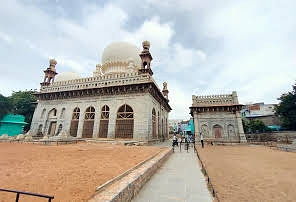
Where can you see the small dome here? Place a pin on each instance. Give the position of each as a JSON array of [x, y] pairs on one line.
[[65, 76], [118, 56]]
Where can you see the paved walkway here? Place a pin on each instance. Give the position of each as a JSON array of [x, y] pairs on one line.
[[179, 179]]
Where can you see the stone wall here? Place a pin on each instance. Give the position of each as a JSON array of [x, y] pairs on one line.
[[285, 137], [207, 121], [267, 120], [141, 103], [125, 188]]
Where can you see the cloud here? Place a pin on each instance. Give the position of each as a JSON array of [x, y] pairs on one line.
[[6, 38], [198, 47], [182, 59]]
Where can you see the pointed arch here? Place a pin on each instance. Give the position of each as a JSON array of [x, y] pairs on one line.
[[104, 121], [230, 131], [74, 122], [158, 121], [52, 113], [205, 130], [88, 125], [60, 128], [124, 127], [52, 118], [166, 128], [39, 132], [153, 124], [217, 131]]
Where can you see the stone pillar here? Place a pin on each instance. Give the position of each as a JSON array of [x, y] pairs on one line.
[[80, 125], [112, 123], [96, 124], [196, 126], [241, 133]]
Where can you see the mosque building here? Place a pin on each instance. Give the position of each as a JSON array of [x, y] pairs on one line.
[[218, 118], [121, 99]]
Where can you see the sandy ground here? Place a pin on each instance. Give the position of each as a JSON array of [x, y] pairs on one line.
[[251, 173], [69, 172]]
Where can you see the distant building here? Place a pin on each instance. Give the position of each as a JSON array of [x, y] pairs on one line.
[[217, 117], [174, 125], [263, 112], [185, 127]]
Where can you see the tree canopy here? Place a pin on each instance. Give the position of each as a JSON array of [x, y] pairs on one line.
[[5, 106], [287, 109], [253, 126], [21, 102]]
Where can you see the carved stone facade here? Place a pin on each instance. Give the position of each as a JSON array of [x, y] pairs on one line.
[[217, 117], [119, 104]]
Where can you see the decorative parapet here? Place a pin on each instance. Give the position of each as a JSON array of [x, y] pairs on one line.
[[214, 100], [118, 66], [97, 82]]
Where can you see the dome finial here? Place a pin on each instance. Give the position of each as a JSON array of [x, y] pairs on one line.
[[146, 45], [52, 62]]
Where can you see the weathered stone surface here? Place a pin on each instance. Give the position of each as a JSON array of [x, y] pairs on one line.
[[125, 188], [217, 117], [142, 105], [20, 137], [4, 137]]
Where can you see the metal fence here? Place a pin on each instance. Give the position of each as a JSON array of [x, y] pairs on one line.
[[18, 193]]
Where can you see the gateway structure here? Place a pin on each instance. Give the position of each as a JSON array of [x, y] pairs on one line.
[[218, 117], [120, 100]]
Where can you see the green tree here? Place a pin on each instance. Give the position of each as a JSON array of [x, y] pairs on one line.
[[5, 106], [257, 125], [22, 102], [254, 125], [245, 125], [287, 109]]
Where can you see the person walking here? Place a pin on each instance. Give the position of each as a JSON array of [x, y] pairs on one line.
[[175, 140], [201, 140]]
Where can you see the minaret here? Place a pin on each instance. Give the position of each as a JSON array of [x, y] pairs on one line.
[[165, 91], [49, 73], [146, 58]]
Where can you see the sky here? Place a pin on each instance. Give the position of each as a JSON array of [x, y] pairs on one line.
[[199, 47]]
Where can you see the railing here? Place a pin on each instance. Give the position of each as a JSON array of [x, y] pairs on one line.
[[18, 193]]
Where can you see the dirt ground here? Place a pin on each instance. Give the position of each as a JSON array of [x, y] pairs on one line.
[[69, 172], [251, 173]]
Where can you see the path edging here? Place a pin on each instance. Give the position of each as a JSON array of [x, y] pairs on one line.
[[124, 189]]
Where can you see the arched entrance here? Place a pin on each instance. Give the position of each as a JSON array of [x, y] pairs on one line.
[[60, 128], [52, 118], [39, 133], [217, 131], [88, 125], [74, 122], [205, 130], [124, 122], [230, 130], [153, 124], [104, 122], [158, 125]]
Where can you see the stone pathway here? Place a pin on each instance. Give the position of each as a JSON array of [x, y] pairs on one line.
[[179, 179]]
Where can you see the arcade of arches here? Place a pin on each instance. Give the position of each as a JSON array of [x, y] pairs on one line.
[[124, 127], [119, 100]]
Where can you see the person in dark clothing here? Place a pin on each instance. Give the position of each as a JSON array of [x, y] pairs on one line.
[[201, 140]]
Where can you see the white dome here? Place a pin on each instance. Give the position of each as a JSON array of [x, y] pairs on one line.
[[66, 76], [120, 57]]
